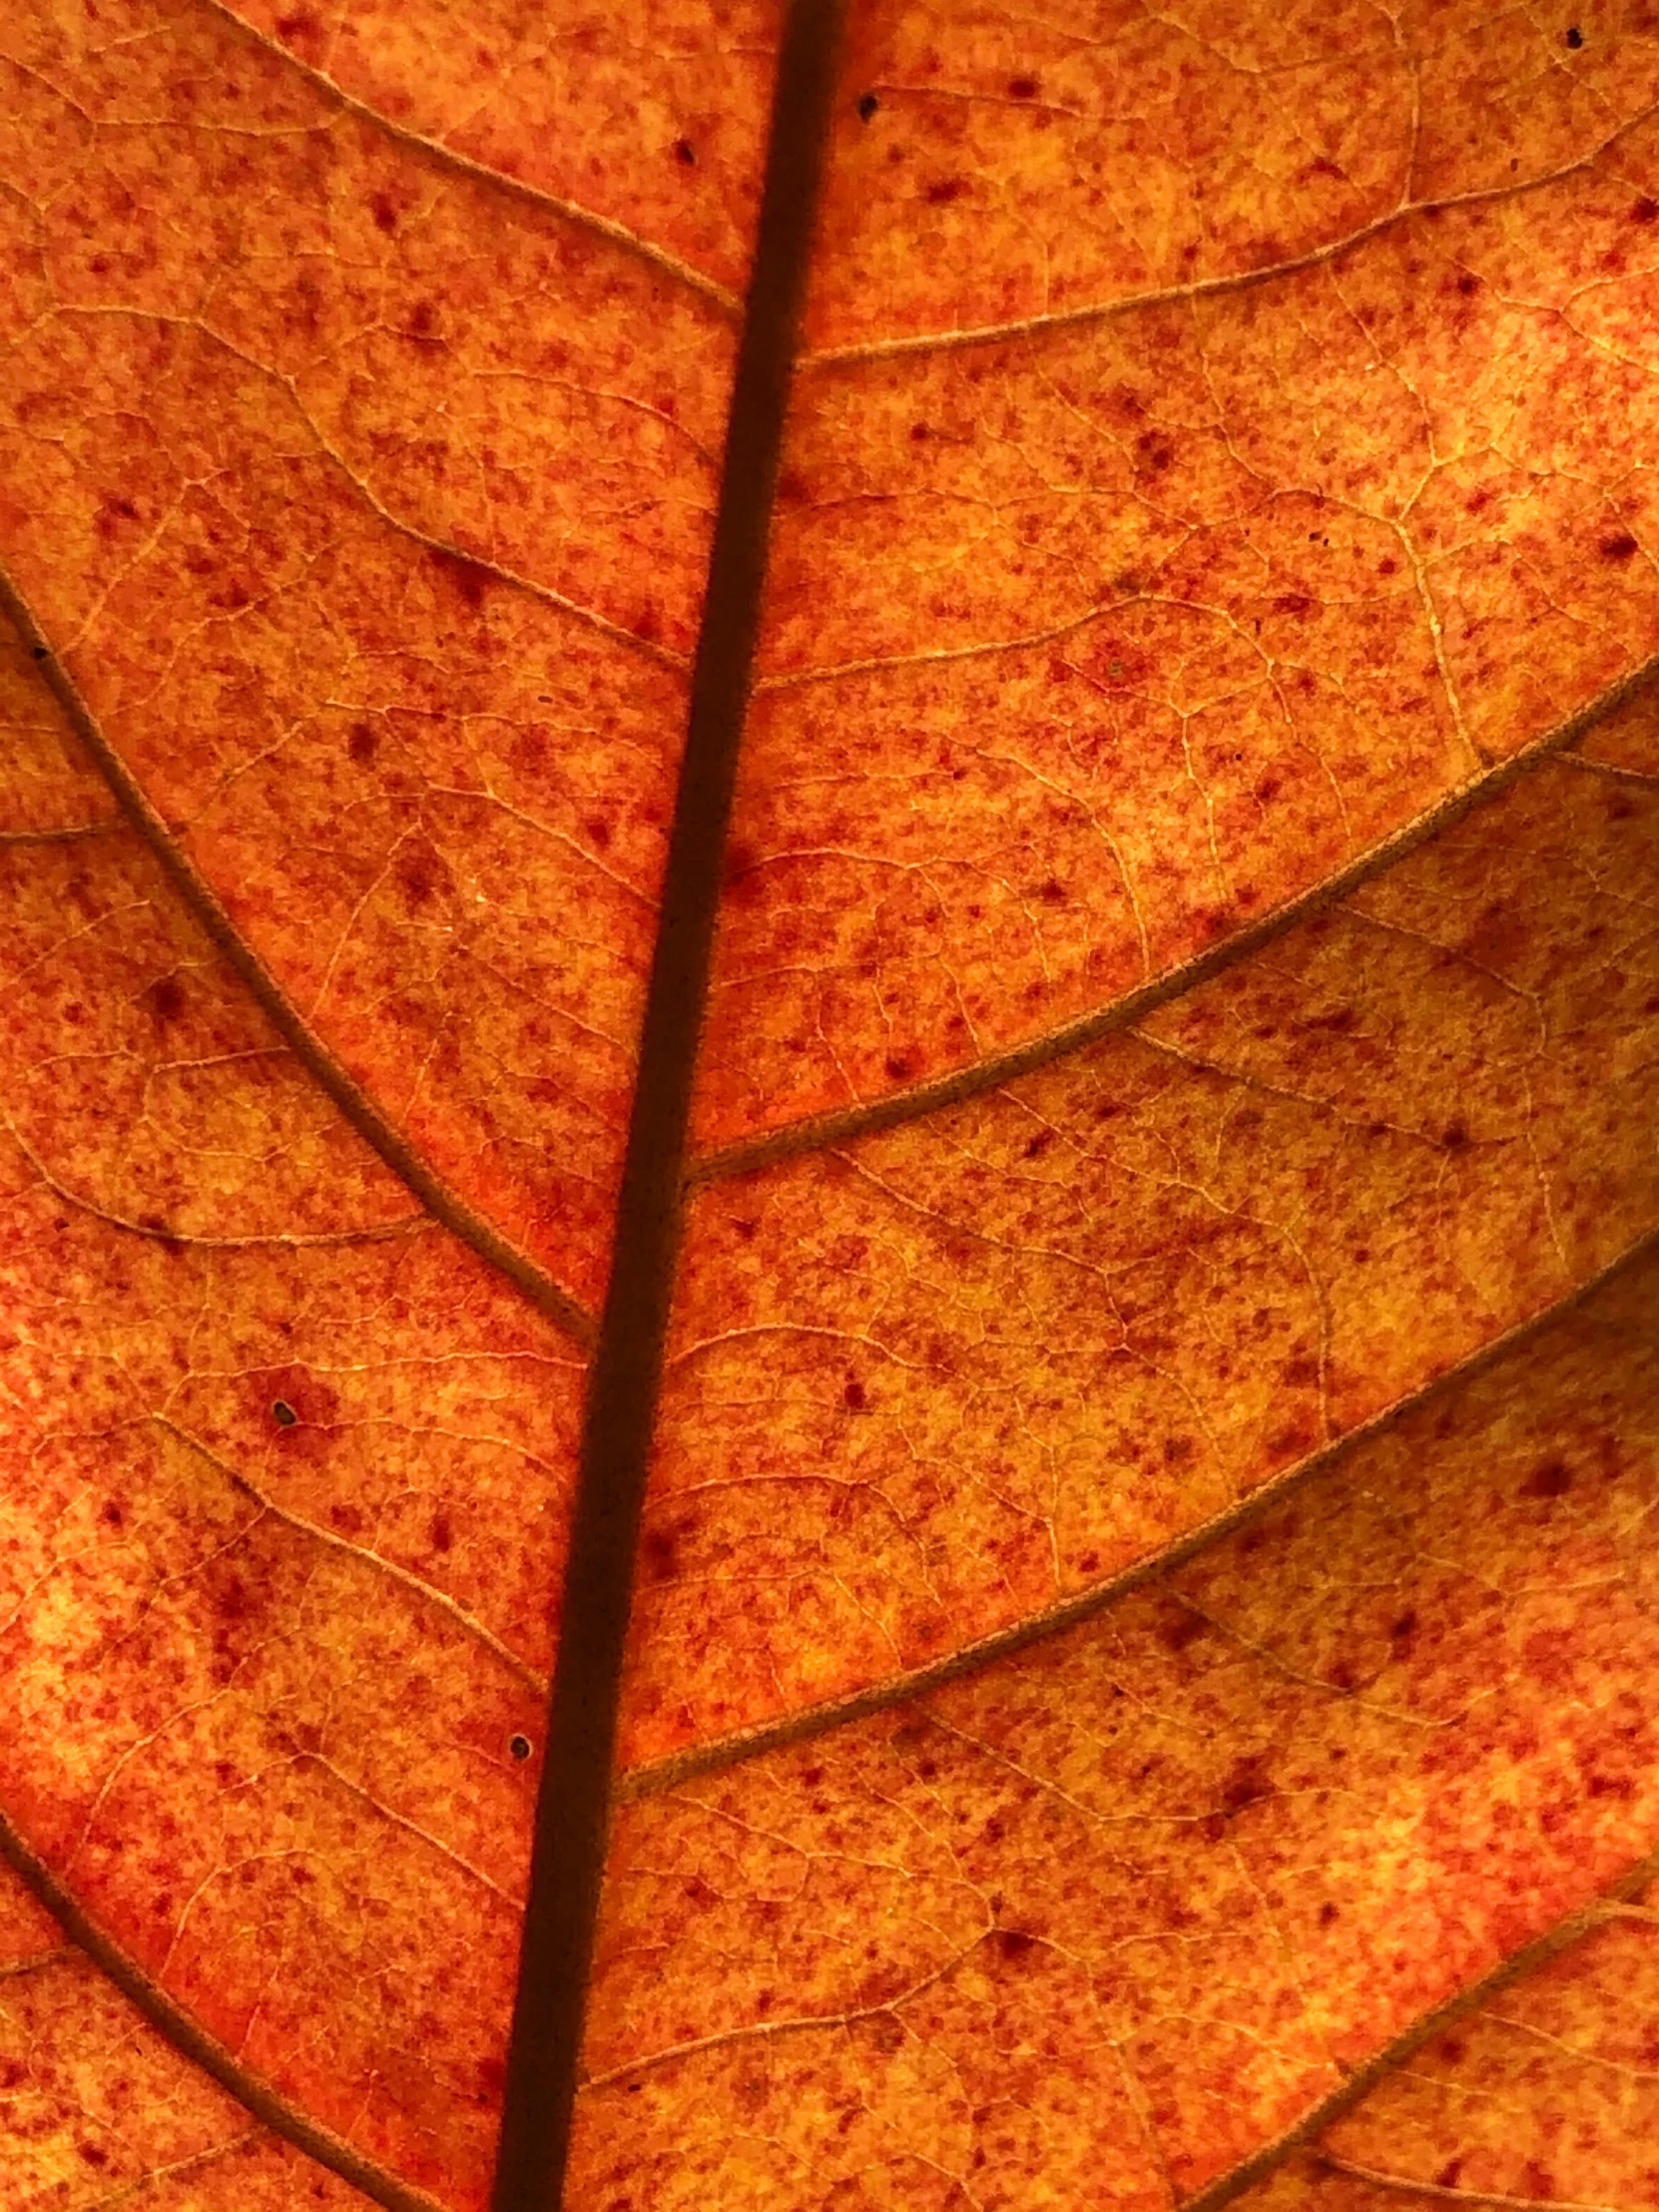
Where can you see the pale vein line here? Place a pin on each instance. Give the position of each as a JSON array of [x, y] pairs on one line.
[[70, 835], [434, 150], [390, 1815], [428, 540], [1613, 769], [38, 1959], [1207, 288], [179, 2167], [427, 1592], [406, 1225], [845, 1123], [347, 1093], [763, 2030], [258, 2096], [1381, 2180], [798, 1727], [830, 672]]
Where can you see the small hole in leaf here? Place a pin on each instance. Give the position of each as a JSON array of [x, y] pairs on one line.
[[1575, 38], [282, 1413], [867, 107], [519, 1746]]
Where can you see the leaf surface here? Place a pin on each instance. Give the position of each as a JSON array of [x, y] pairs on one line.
[[1139, 1679]]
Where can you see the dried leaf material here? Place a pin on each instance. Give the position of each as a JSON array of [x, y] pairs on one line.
[[1545, 2093], [1142, 1661], [95, 2097], [421, 469], [1101, 1920]]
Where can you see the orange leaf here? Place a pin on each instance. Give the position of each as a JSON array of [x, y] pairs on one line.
[[828, 1319]]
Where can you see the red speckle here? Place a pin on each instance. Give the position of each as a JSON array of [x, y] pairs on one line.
[[941, 193], [418, 874], [853, 1397], [384, 210], [362, 744], [685, 153], [166, 1000], [470, 578], [1180, 1629], [1247, 1783], [1551, 1478], [443, 1534], [1644, 210], [1620, 547], [1024, 88], [660, 1553]]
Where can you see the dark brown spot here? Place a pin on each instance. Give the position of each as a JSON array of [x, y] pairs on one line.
[[1180, 1630], [1620, 547], [1024, 88], [1552, 1478], [1644, 210], [853, 1397], [867, 106], [1248, 1783], [469, 577], [947, 189], [282, 1413], [661, 1554], [685, 153], [519, 1746], [166, 1000], [362, 744], [443, 1534], [1575, 37]]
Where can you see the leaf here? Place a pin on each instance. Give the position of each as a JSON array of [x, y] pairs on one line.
[[1138, 1350]]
